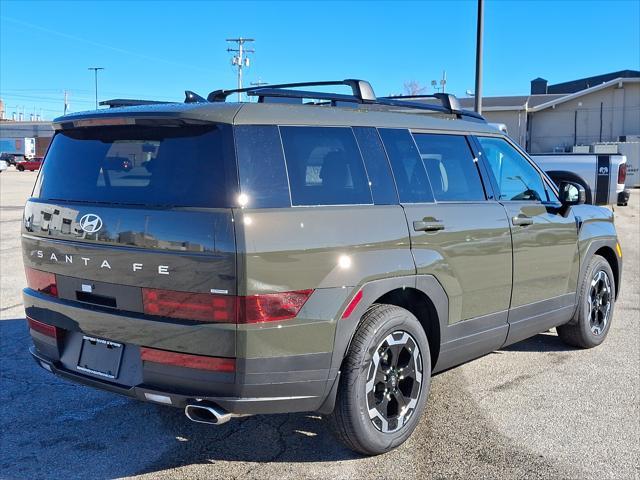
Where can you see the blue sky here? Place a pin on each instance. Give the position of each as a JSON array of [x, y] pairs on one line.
[[156, 50]]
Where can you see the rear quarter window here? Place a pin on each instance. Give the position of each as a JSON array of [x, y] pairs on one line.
[[151, 166], [324, 166]]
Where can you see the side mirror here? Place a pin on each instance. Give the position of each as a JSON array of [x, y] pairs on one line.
[[572, 193]]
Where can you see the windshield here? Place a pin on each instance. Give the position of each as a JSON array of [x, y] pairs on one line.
[[152, 166]]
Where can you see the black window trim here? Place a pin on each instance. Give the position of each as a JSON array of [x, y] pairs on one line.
[[364, 162], [473, 152], [350, 128]]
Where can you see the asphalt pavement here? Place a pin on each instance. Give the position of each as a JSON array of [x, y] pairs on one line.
[[537, 409]]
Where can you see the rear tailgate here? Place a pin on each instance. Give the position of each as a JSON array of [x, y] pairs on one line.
[[119, 212]]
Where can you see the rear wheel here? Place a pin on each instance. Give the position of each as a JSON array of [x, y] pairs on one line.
[[385, 382], [592, 320], [20, 168]]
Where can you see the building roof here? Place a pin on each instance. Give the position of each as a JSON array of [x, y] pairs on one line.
[[515, 102], [535, 103], [583, 83]]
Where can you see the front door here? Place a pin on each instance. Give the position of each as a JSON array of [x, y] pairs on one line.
[[545, 240]]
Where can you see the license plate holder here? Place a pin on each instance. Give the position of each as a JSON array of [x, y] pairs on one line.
[[100, 357]]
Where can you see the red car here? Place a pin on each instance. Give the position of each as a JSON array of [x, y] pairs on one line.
[[31, 164]]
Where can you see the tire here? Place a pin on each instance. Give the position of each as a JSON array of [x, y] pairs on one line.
[[351, 421], [592, 320], [20, 168]]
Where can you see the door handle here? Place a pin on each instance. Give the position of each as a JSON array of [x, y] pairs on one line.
[[522, 221], [422, 226]]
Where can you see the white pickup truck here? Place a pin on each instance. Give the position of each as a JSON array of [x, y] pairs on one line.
[[602, 175]]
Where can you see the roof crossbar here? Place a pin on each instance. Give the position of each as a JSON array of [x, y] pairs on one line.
[[361, 89], [263, 93], [448, 104]]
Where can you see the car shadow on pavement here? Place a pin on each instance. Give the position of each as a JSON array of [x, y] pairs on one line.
[[543, 342]]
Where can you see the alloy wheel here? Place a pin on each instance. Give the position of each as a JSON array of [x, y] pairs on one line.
[[394, 381], [599, 302]]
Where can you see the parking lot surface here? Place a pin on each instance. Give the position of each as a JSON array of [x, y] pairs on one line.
[[537, 409]]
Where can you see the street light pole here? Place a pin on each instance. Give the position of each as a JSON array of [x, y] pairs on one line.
[[479, 35], [95, 74]]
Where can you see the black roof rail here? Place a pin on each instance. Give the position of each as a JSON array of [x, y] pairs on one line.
[[128, 102], [362, 91]]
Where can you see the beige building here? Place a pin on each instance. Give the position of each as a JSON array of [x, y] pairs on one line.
[[555, 118]]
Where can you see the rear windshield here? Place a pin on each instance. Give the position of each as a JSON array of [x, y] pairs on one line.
[[182, 166]]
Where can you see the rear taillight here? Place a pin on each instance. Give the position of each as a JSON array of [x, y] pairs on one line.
[[44, 282], [43, 328], [622, 173], [203, 307], [207, 307], [200, 362], [271, 307]]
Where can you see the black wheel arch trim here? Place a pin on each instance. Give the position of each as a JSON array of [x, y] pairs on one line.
[[372, 291]]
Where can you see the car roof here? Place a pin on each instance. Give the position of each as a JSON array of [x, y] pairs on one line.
[[288, 114]]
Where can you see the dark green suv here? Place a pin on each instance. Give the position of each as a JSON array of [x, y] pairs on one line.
[[306, 252]]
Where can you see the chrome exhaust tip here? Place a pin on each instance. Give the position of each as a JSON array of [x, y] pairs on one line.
[[207, 413]]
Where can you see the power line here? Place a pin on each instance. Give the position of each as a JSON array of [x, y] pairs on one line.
[[240, 60]]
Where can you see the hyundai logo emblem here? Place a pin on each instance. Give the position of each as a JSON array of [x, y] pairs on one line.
[[91, 223]]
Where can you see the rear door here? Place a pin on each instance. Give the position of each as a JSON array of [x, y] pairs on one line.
[[545, 240], [459, 234]]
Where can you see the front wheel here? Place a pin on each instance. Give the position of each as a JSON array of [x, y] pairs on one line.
[[384, 382], [20, 168], [591, 323]]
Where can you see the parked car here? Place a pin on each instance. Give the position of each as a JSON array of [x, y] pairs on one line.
[[272, 258], [3, 165], [31, 165]]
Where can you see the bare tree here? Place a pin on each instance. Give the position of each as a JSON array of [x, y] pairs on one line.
[[413, 87]]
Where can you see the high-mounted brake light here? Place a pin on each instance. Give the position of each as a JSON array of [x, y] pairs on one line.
[[200, 362], [43, 328], [206, 307], [44, 282], [203, 307], [622, 173]]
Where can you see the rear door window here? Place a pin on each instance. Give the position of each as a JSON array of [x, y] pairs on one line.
[[324, 166], [148, 166], [452, 171], [408, 169]]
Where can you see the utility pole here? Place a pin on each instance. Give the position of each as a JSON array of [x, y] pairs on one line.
[[479, 35], [95, 74], [240, 60], [66, 102]]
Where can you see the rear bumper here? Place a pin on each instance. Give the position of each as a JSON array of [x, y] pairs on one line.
[[287, 383]]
